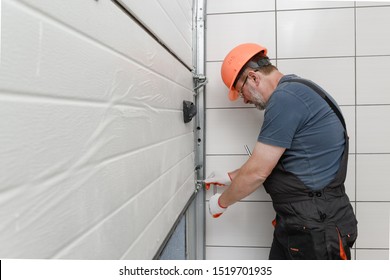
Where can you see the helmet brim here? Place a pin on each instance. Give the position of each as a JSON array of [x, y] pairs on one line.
[[233, 94]]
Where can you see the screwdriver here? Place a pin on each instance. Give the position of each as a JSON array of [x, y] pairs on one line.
[[247, 150]]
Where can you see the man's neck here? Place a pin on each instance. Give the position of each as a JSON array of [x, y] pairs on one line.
[[273, 80]]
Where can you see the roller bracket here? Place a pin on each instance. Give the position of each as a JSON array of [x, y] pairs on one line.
[[200, 81], [189, 111]]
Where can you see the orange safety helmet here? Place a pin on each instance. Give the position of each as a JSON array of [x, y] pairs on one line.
[[235, 61]]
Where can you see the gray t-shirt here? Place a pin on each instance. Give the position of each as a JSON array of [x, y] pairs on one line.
[[301, 121]]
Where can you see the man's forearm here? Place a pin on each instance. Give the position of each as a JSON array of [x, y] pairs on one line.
[[251, 175], [243, 184], [233, 174]]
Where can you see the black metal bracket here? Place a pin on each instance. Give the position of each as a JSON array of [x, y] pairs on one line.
[[189, 111]]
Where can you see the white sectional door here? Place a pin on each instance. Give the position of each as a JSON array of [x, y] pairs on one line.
[[96, 161]]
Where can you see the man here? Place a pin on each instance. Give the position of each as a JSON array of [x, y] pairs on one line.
[[300, 157]]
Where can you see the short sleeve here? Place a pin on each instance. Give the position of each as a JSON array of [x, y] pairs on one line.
[[285, 114]]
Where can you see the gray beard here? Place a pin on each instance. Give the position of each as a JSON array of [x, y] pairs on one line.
[[260, 107], [257, 100]]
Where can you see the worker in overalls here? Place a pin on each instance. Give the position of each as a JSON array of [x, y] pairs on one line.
[[300, 157]]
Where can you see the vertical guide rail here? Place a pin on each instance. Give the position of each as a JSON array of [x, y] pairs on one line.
[[196, 212], [200, 129]]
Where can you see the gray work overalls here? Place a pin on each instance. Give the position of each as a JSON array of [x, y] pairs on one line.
[[312, 224]]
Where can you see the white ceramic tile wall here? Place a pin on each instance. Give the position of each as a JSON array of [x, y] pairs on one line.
[[216, 93], [229, 130], [224, 32], [244, 225], [235, 6], [88, 166], [327, 76], [298, 39], [371, 36], [298, 4], [374, 187], [372, 3], [372, 254], [373, 131], [240, 253], [345, 47], [350, 120], [350, 181], [373, 225], [370, 74]]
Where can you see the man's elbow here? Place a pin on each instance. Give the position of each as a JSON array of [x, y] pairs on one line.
[[262, 176]]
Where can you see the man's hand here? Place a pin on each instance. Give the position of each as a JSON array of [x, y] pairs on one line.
[[218, 179], [215, 208]]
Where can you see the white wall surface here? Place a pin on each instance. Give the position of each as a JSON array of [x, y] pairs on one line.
[[95, 159], [343, 46]]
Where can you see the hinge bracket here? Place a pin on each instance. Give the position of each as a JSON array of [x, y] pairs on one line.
[[199, 81]]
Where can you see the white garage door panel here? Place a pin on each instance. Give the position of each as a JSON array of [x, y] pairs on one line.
[[128, 130], [104, 22], [54, 193], [161, 224], [50, 68], [181, 19], [50, 138], [171, 27], [93, 146], [158, 205], [40, 140], [186, 7]]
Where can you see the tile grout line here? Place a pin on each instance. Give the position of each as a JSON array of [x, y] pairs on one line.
[[355, 83]]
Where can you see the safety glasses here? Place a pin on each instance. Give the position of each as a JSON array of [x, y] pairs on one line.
[[240, 93]]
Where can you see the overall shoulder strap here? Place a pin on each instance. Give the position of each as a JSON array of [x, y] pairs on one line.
[[320, 92]]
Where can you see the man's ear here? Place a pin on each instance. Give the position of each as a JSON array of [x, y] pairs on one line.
[[252, 75]]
